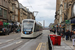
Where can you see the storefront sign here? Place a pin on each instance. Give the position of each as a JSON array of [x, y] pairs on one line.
[[1, 23], [67, 21]]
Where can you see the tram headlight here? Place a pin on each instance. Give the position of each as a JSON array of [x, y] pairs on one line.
[[22, 31], [31, 32]]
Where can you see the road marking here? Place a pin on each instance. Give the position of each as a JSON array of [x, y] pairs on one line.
[[39, 46], [18, 38], [0, 43], [19, 42], [27, 43], [7, 45], [10, 44], [9, 40], [43, 46]]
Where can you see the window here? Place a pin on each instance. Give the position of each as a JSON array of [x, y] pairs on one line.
[[13, 8], [1, 11], [60, 10], [5, 14], [13, 17], [64, 5], [37, 28]]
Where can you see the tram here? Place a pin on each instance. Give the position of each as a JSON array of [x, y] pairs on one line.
[[30, 28]]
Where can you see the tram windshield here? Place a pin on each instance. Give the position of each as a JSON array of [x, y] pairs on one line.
[[27, 25]]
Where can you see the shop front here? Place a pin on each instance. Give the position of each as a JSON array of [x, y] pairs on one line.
[[73, 23], [73, 16], [63, 26], [68, 25]]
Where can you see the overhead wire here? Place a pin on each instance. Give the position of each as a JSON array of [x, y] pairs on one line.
[[30, 4]]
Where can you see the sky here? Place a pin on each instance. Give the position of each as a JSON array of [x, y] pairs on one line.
[[45, 8]]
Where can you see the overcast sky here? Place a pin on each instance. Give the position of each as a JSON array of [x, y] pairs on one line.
[[46, 9]]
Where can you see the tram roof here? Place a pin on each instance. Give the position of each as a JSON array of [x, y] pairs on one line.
[[34, 20]]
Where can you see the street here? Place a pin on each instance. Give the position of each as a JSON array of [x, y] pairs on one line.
[[14, 42]]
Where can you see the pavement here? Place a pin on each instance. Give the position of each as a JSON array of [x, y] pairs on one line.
[[69, 43], [14, 42], [65, 45]]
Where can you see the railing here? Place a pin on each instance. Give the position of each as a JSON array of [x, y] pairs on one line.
[[50, 43]]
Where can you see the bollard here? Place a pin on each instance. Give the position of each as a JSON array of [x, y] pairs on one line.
[[50, 43]]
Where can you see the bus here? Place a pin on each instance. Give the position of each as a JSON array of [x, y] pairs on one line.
[[30, 28]]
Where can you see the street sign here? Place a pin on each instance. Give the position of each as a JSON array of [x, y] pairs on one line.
[[67, 21]]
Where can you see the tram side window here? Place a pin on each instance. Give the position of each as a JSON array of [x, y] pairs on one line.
[[36, 28]]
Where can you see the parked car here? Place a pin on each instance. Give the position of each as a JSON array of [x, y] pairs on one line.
[[3, 28]]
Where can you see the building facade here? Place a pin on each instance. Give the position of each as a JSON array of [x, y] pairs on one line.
[[67, 14], [4, 10], [16, 10], [12, 11], [23, 14]]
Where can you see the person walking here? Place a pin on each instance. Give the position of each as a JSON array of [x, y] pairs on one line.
[[54, 31], [59, 32], [14, 30], [63, 34], [71, 33], [73, 37], [67, 34]]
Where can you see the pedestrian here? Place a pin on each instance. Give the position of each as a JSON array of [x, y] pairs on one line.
[[14, 30], [71, 33], [59, 32], [54, 31], [73, 37], [67, 34], [63, 34]]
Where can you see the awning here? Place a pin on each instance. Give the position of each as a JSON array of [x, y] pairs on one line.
[[4, 23], [1, 23], [73, 21]]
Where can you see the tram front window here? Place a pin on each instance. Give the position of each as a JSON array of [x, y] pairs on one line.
[[27, 27]]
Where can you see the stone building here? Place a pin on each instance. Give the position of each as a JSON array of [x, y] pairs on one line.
[[13, 10], [51, 25], [59, 13], [68, 14], [31, 15], [16, 10], [4, 10], [22, 13]]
